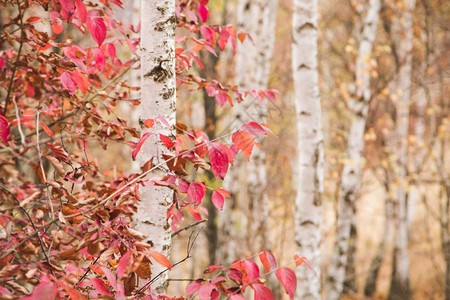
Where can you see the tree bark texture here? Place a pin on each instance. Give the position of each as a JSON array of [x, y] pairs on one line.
[[158, 89], [309, 167], [351, 174], [247, 218]]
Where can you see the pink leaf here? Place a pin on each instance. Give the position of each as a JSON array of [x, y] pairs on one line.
[[195, 193], [237, 297], [99, 58], [262, 292], [111, 49], [124, 261], [193, 287], [81, 11], [218, 156], [138, 146], [299, 260], [4, 129], [110, 276], [212, 268], [208, 292], [217, 200], [268, 260], [68, 83], [97, 28], [44, 291], [100, 286], [221, 98], [288, 279], [254, 128], [202, 12]]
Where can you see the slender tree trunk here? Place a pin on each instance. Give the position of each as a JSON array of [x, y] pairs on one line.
[[400, 288], [351, 175], [247, 180], [371, 281], [308, 202], [158, 99]]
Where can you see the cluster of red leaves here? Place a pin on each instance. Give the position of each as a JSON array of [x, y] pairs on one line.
[[64, 224]]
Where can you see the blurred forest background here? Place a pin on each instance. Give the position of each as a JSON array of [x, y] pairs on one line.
[[427, 161]]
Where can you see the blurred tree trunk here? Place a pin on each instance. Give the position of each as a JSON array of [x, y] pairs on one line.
[[309, 167], [158, 99], [400, 288], [247, 217], [371, 281], [351, 175]]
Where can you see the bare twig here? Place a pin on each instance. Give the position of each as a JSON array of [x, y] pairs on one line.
[[191, 242], [22, 136], [11, 82], [41, 165], [187, 227]]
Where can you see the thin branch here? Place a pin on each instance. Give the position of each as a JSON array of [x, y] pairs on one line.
[[11, 82], [191, 242], [187, 227], [32, 224], [19, 126]]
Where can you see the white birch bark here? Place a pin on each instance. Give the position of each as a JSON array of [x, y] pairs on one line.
[[247, 179], [158, 99], [400, 270], [309, 167], [351, 175]]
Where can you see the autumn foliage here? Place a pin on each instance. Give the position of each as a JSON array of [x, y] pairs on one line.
[[65, 222]]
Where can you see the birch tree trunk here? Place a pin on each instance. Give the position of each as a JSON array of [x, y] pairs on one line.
[[400, 269], [158, 88], [247, 179], [308, 202], [351, 175]]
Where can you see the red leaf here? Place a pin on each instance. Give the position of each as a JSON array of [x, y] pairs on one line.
[[4, 129], [44, 291], [218, 156], [195, 193], [199, 62], [81, 11], [138, 146], [202, 12], [299, 260], [244, 141], [161, 259], [268, 260], [262, 292], [212, 269], [59, 152], [288, 279], [223, 192], [167, 142], [57, 24], [217, 200], [68, 83], [254, 128], [47, 130], [97, 28], [208, 292], [193, 287], [149, 123], [124, 261], [32, 19], [100, 286]]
